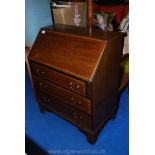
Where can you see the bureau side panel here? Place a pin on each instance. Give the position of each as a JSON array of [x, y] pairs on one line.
[[105, 84]]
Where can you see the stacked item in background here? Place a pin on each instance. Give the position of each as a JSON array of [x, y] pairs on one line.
[[103, 20], [124, 27], [71, 12]]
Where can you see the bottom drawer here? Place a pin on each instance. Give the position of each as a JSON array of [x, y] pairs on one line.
[[64, 110]]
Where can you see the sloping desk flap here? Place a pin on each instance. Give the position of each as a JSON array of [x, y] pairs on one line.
[[72, 54]]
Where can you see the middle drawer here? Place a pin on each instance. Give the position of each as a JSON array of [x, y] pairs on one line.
[[65, 95]]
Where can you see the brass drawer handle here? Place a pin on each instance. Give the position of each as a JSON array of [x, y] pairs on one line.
[[72, 86], [40, 84], [77, 117], [77, 87], [42, 72], [38, 71], [45, 86], [70, 83], [79, 102], [72, 101]]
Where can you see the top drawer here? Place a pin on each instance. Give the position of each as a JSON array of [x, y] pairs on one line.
[[60, 79]]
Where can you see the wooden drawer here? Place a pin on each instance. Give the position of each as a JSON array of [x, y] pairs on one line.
[[64, 110], [60, 79], [65, 95]]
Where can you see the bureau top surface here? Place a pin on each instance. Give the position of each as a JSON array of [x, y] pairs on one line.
[[70, 50], [83, 31]]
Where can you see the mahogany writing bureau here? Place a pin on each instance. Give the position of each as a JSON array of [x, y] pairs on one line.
[[76, 75]]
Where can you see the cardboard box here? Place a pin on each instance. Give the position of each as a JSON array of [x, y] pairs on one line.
[[73, 14]]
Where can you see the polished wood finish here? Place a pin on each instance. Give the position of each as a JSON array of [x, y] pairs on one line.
[[62, 54], [89, 14], [63, 80], [68, 61], [124, 77], [105, 85], [67, 96], [55, 105]]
